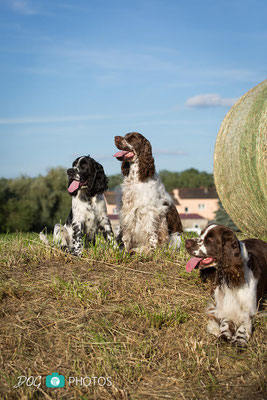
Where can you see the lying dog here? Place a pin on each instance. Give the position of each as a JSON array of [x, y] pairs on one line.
[[240, 279], [88, 215], [148, 217]]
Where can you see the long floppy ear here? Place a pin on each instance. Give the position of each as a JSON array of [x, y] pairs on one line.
[[100, 183], [146, 161], [232, 263], [125, 168]]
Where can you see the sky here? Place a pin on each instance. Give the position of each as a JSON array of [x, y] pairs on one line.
[[74, 74]]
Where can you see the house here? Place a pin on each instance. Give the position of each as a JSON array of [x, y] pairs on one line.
[[193, 222], [202, 201], [111, 202], [196, 206]]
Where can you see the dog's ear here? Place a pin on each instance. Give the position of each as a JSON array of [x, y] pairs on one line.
[[100, 183], [146, 161], [125, 168], [231, 257]]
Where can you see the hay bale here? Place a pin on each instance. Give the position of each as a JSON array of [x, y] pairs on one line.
[[240, 167]]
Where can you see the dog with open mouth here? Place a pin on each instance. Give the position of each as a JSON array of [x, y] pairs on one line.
[[88, 214], [148, 216], [240, 279]]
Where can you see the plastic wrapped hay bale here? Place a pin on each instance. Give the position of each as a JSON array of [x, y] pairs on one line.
[[240, 162]]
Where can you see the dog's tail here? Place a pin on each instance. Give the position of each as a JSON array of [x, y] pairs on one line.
[[43, 237]]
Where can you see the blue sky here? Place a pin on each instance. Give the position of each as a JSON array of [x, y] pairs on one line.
[[76, 73]]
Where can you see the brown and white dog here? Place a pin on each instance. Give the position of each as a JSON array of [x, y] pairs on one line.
[[148, 217], [240, 279]]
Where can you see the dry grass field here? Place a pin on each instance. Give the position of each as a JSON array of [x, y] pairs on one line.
[[134, 325]]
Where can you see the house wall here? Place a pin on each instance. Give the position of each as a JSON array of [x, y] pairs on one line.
[[112, 209], [194, 223], [204, 207]]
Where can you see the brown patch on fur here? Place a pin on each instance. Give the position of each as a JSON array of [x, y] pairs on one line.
[[232, 263], [173, 220], [125, 168], [146, 161], [163, 234], [142, 149], [232, 327], [257, 262], [208, 274]]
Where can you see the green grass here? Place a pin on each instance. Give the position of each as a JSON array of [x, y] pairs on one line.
[[138, 320]]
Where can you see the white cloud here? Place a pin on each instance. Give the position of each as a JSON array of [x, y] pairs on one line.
[[209, 100]]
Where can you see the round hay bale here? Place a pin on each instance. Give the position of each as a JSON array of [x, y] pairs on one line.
[[240, 167]]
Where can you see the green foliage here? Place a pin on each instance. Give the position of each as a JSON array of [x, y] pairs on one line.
[[190, 178], [30, 204], [222, 218], [4, 195], [114, 180]]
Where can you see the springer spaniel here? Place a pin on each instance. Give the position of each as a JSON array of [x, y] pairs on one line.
[[240, 279], [88, 214], [148, 216]]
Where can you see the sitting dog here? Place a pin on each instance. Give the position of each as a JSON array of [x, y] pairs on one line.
[[240, 279], [88, 214], [148, 216]]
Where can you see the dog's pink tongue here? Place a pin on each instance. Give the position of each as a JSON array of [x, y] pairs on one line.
[[207, 261], [192, 263], [120, 153], [73, 186]]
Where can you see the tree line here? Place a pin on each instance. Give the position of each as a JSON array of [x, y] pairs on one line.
[[190, 178], [30, 204]]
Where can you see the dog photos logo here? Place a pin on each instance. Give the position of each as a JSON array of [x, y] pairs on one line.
[[55, 380]]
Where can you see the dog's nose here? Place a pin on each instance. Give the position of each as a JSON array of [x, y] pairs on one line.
[[189, 243], [117, 139]]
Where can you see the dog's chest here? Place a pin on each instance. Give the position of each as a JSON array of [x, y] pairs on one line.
[[86, 213], [144, 194], [234, 302]]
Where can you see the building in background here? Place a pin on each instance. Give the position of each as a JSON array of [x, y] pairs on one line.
[[202, 201]]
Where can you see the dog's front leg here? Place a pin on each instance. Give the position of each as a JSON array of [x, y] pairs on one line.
[[243, 332], [105, 227], [77, 244], [225, 329]]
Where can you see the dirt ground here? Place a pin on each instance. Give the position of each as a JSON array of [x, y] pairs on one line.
[[116, 327]]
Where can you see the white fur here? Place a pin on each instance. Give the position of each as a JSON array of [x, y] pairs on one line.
[[200, 241]]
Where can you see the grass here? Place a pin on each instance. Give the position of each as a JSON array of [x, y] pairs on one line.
[[135, 321]]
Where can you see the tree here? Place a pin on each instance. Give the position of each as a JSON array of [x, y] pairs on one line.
[[30, 204], [190, 178], [114, 180], [222, 218], [4, 196], [20, 208]]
